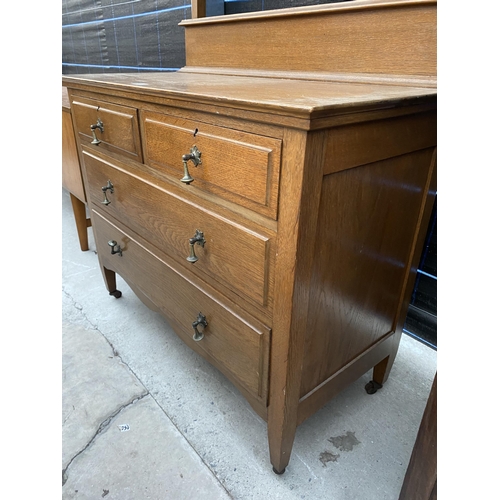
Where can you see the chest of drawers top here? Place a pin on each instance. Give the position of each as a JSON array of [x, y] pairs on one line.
[[287, 100]]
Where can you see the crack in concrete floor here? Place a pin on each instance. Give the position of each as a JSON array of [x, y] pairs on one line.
[[106, 422], [102, 426]]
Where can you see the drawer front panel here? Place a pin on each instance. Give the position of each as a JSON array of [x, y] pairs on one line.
[[231, 254], [240, 167], [237, 346], [120, 126]]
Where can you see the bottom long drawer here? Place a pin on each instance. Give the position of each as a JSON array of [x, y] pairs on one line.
[[238, 346]]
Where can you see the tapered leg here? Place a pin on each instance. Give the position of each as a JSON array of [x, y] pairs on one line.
[[82, 223], [382, 369], [281, 434], [110, 282]]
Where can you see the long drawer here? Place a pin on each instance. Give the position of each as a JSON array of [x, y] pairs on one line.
[[238, 166], [107, 126], [230, 253], [237, 345]]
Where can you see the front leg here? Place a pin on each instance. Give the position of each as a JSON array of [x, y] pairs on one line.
[[110, 282], [282, 423]]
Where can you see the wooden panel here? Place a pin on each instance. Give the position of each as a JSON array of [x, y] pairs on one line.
[[362, 143], [238, 166], [66, 106], [71, 173], [361, 258], [198, 8], [233, 255], [420, 481], [329, 388], [237, 346], [352, 37], [121, 127]]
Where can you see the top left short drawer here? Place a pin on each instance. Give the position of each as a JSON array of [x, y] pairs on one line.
[[107, 126]]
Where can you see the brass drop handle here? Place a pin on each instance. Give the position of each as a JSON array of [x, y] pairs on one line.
[[105, 188], [113, 244], [197, 239], [100, 126], [200, 320], [195, 157]]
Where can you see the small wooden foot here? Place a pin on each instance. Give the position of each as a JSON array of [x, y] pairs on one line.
[[116, 294], [279, 473]]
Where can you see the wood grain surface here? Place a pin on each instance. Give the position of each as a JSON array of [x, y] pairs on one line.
[[243, 355], [233, 255], [300, 99], [392, 38], [317, 128], [121, 126], [235, 165], [360, 259]]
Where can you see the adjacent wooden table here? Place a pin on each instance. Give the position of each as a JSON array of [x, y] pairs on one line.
[[271, 198], [71, 174], [420, 482]]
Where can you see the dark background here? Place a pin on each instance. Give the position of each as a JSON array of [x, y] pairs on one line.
[[113, 36]]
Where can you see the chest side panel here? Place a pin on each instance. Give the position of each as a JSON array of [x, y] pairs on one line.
[[366, 225]]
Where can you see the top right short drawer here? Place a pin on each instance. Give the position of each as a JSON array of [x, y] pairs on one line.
[[241, 167]]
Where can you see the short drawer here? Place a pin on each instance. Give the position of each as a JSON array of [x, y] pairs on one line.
[[238, 166], [116, 127], [230, 253], [238, 346]]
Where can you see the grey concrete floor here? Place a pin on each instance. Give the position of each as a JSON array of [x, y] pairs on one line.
[[144, 417]]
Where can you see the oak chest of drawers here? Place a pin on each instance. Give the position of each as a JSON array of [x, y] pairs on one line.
[[275, 216]]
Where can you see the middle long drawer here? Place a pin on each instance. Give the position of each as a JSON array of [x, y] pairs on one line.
[[233, 255]]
